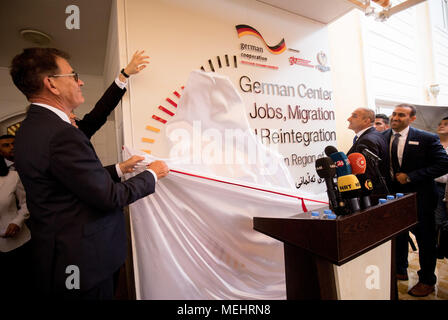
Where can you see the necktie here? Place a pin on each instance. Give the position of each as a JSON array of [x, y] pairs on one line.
[[354, 139], [394, 154]]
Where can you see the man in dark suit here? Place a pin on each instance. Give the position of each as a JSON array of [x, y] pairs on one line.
[[416, 159], [77, 225], [366, 137]]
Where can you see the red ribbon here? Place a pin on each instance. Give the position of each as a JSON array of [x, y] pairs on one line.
[[254, 188]]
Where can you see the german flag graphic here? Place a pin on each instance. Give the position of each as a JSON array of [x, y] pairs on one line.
[[244, 29]]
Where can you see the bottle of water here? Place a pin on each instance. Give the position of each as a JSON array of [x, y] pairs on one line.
[[399, 195], [315, 215], [390, 197], [382, 200], [331, 216]]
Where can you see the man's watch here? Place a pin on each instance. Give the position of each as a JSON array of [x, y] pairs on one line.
[[124, 73], [408, 180]]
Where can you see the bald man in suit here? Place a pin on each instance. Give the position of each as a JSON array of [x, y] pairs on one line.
[[367, 137]]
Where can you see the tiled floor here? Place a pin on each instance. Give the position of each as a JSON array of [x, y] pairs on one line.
[[441, 290]]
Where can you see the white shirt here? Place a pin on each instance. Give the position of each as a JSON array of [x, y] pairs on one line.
[[401, 143], [65, 118], [361, 132], [11, 189], [9, 164], [120, 83]]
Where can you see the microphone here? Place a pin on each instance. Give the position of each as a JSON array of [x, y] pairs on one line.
[[350, 188], [348, 185], [342, 163], [329, 150], [358, 163], [340, 159], [359, 166], [326, 169]]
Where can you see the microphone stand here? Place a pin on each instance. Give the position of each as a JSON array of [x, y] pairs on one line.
[[382, 179], [375, 160]]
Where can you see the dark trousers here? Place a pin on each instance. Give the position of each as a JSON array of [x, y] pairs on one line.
[[105, 290], [441, 214], [102, 291], [425, 235], [15, 273]]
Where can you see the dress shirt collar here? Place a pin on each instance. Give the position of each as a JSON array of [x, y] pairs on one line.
[[362, 131], [403, 133], [8, 163], [59, 112]]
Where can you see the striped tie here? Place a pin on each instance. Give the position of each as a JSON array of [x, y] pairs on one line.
[[394, 154]]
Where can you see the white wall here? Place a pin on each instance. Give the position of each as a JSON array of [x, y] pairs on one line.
[[439, 28], [392, 58], [349, 82], [112, 65]]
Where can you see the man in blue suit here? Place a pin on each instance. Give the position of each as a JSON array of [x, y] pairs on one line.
[[367, 137], [416, 158], [77, 224]]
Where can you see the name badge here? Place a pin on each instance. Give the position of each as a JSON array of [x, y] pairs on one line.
[[415, 143]]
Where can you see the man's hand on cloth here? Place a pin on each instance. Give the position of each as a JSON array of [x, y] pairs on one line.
[[159, 167]]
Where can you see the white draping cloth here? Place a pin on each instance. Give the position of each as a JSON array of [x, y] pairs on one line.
[[194, 237]]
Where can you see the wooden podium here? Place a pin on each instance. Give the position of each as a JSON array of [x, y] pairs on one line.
[[312, 247]]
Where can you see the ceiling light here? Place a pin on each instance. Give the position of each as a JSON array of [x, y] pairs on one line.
[[36, 37]]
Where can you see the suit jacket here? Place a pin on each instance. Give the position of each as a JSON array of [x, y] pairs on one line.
[[75, 205], [424, 159], [97, 117], [374, 141]]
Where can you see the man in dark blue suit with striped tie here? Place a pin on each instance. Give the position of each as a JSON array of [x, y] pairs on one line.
[[416, 159]]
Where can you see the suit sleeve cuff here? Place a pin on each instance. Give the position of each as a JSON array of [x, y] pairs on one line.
[[154, 174], [119, 173], [120, 84]]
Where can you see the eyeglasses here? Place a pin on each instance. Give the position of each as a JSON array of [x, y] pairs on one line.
[[75, 76]]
